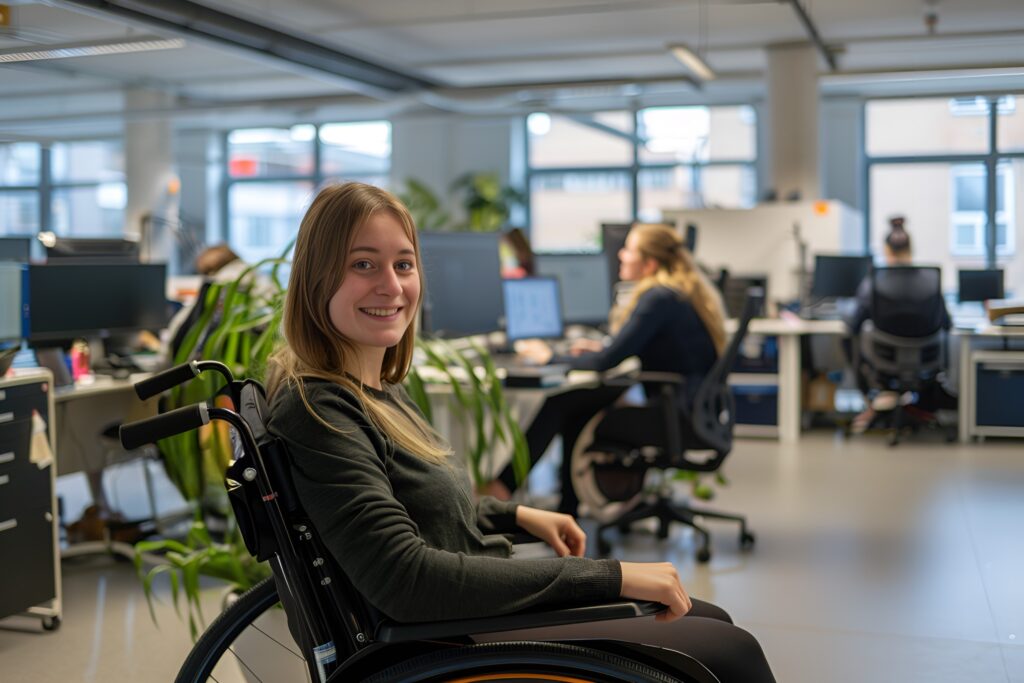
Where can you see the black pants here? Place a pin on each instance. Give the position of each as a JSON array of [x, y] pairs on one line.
[[706, 633], [566, 414]]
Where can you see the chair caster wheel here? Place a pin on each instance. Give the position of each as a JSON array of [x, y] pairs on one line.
[[704, 555], [604, 548], [51, 623], [747, 540]]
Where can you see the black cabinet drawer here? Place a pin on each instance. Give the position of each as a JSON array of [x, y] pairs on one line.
[[999, 387], [756, 404], [27, 570], [17, 402]]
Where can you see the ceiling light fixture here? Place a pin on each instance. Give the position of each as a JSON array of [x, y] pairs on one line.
[[90, 49], [692, 61]]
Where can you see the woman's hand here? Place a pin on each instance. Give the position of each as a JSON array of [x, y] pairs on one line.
[[584, 345], [558, 530], [534, 350], [657, 581]]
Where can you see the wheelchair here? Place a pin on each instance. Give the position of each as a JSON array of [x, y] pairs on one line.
[[337, 634]]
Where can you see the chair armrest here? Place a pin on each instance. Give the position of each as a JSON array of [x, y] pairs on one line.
[[631, 378], [392, 632]]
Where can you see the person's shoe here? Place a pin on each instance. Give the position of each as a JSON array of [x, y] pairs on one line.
[[885, 401]]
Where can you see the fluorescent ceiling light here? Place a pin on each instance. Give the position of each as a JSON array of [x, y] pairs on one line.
[[692, 61], [90, 49]]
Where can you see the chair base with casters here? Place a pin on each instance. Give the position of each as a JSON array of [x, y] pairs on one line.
[[337, 634]]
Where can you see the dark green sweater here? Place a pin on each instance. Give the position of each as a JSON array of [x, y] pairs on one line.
[[405, 531]]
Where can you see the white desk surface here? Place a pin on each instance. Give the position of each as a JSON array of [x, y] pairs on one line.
[[790, 326], [989, 330], [101, 384]]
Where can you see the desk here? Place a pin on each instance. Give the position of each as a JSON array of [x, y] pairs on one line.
[[987, 344], [787, 379], [83, 411]]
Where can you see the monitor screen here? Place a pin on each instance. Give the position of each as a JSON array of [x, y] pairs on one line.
[[462, 273], [734, 293], [532, 308], [981, 285], [15, 249], [95, 300], [12, 303], [91, 249], [613, 238], [585, 285], [838, 276]]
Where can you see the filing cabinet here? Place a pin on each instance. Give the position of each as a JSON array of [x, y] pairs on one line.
[[30, 570]]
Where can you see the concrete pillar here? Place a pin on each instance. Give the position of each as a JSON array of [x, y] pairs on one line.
[[792, 109], [151, 179]]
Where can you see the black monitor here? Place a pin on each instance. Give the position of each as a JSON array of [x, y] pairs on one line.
[[12, 301], [533, 308], [462, 273], [90, 249], [585, 284], [95, 300], [15, 249], [838, 276], [980, 285]]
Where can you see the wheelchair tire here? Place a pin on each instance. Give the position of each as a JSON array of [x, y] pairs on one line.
[[527, 661], [219, 638]]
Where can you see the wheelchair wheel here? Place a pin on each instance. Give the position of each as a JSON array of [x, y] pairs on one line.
[[521, 662], [244, 639]]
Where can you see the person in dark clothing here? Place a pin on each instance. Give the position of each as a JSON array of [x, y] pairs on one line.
[[673, 322], [382, 488], [898, 252]]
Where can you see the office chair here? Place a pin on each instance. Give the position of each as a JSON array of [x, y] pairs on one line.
[[902, 346], [339, 635], [628, 441]]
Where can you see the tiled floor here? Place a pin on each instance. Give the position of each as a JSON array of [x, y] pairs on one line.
[[872, 564]]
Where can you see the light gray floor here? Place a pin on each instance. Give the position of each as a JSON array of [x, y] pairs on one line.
[[872, 564]]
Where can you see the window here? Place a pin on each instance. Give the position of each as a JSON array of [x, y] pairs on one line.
[[617, 166], [89, 194], [930, 160], [19, 188], [272, 174]]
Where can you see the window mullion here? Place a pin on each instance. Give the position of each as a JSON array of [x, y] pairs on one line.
[[991, 185], [45, 189]]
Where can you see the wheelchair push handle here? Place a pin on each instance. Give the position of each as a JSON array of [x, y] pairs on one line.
[[167, 379], [179, 374], [152, 429]]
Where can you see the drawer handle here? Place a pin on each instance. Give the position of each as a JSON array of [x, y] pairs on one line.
[[6, 417], [4, 478], [8, 525], [6, 457]]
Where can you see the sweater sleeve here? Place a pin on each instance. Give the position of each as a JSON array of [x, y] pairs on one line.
[[495, 516], [342, 481], [646, 320]]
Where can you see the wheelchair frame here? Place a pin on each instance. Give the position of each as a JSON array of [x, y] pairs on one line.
[[340, 635]]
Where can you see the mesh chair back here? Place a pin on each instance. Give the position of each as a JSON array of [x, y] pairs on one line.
[[907, 300], [714, 408]]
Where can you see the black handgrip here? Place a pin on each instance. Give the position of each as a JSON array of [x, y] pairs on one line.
[[162, 381], [152, 429]]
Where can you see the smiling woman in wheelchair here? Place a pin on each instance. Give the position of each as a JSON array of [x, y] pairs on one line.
[[381, 487]]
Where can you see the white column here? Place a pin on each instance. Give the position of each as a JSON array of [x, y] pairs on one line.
[[792, 109], [150, 175]]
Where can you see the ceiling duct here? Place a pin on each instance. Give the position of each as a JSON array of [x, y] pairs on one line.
[[193, 20]]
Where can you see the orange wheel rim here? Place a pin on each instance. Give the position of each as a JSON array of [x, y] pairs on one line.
[[506, 676]]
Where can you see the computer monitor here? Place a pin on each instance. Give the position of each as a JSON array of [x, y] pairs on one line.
[[15, 249], [462, 273], [613, 238], [838, 276], [980, 285], [94, 300], [12, 301], [533, 308], [585, 285], [90, 249]]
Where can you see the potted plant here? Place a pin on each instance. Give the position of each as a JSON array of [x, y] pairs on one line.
[[488, 203]]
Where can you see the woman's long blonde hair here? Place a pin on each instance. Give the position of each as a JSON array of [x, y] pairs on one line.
[[314, 347], [677, 271]]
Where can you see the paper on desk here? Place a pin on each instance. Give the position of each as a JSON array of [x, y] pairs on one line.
[[39, 450]]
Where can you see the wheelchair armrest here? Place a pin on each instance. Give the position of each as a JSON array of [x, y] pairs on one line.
[[392, 632]]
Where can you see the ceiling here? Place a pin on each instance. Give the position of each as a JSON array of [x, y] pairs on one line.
[[480, 56]]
